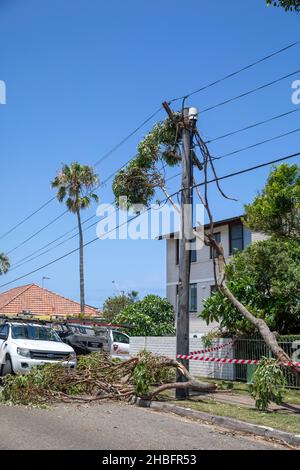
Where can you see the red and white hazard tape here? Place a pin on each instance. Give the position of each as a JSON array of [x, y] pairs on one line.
[[227, 361], [216, 348]]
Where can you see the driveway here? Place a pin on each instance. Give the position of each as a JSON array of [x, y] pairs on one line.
[[109, 426]]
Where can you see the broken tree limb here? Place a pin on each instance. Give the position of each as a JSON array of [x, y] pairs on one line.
[[268, 336], [191, 383]]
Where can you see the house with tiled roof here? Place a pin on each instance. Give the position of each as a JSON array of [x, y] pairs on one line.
[[36, 300]]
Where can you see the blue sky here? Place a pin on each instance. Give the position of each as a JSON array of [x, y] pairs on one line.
[[82, 75]]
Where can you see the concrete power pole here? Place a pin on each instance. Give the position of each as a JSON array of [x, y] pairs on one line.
[[183, 326]]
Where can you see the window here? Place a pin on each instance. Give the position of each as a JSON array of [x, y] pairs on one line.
[[4, 330], [193, 252], [37, 333], [120, 337], [193, 297], [236, 238], [217, 237]]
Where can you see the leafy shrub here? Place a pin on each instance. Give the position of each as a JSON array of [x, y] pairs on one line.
[[152, 316], [268, 384]]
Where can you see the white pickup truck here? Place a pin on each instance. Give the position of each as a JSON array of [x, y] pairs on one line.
[[24, 345]]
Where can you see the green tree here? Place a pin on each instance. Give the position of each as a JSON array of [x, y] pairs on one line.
[[265, 277], [4, 264], [276, 210], [288, 5], [114, 305], [152, 316], [75, 186]]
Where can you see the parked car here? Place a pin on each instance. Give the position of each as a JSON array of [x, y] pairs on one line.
[[24, 345], [120, 342], [87, 338], [82, 338]]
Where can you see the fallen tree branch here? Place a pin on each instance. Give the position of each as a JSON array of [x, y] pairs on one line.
[[191, 382]]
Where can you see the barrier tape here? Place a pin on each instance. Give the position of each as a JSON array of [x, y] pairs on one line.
[[215, 348], [223, 360]]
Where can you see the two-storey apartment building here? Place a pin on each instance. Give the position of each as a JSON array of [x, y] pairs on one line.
[[234, 236]]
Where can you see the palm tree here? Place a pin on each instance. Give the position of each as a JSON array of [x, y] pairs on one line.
[[76, 185], [4, 264]]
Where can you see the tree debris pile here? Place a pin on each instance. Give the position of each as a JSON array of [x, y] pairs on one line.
[[98, 377]]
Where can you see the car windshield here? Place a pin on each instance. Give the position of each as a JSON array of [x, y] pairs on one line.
[[39, 333], [83, 330]]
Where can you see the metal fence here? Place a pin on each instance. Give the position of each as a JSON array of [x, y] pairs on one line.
[[257, 348]]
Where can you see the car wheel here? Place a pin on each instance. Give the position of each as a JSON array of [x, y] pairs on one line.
[[7, 367]]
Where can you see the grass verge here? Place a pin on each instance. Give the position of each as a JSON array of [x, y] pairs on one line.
[[278, 420], [291, 396]]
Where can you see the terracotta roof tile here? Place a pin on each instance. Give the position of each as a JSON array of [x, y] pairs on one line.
[[39, 301]]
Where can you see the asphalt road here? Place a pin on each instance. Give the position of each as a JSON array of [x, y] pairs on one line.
[[109, 426]]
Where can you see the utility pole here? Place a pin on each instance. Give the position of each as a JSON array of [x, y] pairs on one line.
[[186, 237], [186, 203]]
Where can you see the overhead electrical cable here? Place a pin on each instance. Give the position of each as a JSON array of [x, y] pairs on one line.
[[230, 175]]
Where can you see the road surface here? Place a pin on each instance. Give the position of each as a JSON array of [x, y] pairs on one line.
[[110, 426]]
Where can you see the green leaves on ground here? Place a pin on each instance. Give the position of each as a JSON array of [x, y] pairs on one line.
[[149, 372], [97, 377]]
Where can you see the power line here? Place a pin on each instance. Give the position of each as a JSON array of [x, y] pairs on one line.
[[20, 262], [75, 250], [18, 265], [27, 218], [226, 77], [240, 172], [237, 71], [61, 236], [36, 233], [160, 108], [251, 126], [116, 147], [249, 92], [102, 184], [257, 144], [50, 243]]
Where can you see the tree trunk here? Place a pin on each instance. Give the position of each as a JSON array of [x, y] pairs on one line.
[[81, 266]]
